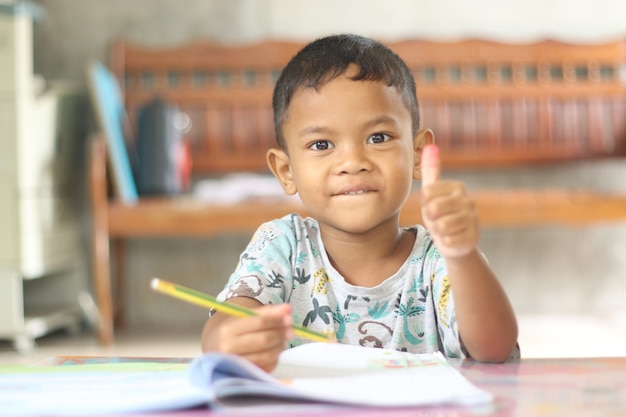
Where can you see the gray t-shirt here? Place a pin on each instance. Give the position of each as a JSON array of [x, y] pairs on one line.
[[412, 310]]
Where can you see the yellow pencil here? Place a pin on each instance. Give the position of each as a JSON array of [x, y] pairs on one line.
[[208, 301]]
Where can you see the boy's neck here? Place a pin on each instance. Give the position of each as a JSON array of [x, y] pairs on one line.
[[367, 260]]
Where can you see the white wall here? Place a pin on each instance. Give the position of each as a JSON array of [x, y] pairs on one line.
[[449, 19], [78, 30]]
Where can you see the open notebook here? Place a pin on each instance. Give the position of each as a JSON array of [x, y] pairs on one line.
[[315, 373]]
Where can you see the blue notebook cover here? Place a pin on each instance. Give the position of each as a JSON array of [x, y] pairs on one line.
[[111, 115]]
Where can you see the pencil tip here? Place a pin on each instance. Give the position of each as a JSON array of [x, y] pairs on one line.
[[154, 283]]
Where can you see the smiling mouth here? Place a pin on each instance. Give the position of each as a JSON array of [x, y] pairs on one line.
[[355, 189], [355, 192]]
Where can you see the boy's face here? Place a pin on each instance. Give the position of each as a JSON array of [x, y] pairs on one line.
[[350, 153]]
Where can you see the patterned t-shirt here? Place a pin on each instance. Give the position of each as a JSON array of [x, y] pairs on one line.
[[412, 310]]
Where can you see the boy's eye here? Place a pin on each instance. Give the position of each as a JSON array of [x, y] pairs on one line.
[[321, 145], [378, 138]]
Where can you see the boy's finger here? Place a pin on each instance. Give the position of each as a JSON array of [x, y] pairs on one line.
[[431, 165], [275, 310]]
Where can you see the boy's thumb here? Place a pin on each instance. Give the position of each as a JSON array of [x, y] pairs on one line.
[[431, 165]]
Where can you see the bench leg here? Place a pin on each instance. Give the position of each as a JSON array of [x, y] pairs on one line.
[[100, 240], [102, 284], [119, 249]]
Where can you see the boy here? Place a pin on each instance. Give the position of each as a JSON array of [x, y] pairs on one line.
[[347, 125]]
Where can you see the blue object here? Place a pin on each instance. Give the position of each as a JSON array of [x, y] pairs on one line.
[[111, 115], [36, 12]]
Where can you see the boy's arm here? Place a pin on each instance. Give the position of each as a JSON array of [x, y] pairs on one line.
[[485, 318], [259, 338]]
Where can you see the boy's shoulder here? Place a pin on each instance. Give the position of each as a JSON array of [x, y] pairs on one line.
[[291, 224], [293, 230], [296, 225], [288, 229]]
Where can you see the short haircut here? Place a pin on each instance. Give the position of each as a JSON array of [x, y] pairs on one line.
[[327, 58]]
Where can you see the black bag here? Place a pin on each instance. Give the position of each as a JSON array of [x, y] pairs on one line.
[[162, 155]]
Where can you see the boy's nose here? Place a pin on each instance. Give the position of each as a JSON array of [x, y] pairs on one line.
[[353, 159]]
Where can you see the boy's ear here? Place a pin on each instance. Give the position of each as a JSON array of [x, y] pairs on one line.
[[280, 165], [424, 137]]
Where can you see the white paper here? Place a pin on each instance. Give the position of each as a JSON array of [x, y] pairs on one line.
[[91, 393], [354, 375], [325, 373]]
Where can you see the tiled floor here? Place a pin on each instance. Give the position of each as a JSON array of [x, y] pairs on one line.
[[540, 336]]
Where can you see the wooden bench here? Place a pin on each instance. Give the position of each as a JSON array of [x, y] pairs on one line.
[[489, 104]]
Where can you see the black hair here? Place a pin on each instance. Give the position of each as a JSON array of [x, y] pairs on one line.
[[324, 59]]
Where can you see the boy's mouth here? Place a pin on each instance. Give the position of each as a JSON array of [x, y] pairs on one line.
[[354, 190]]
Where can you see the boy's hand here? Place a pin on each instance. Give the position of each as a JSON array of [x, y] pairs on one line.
[[447, 210], [259, 339]]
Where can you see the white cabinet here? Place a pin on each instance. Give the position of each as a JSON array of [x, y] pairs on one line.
[[42, 270]]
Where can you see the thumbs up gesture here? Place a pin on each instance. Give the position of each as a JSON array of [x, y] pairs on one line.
[[447, 210]]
